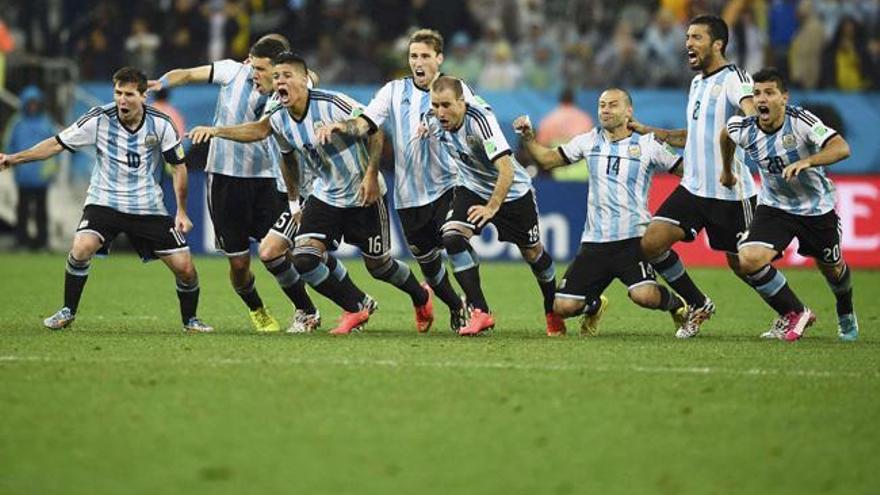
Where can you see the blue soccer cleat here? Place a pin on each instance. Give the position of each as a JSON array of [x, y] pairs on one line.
[[847, 327]]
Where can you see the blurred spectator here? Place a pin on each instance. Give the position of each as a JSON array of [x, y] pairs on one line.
[[7, 44], [664, 48], [783, 23], [748, 42], [460, 60], [620, 62], [161, 103], [29, 128], [98, 58], [846, 62], [500, 71], [328, 64], [577, 70], [141, 46], [559, 126], [805, 59], [186, 31], [541, 69]]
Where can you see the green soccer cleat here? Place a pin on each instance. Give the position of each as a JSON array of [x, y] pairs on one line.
[[263, 321]]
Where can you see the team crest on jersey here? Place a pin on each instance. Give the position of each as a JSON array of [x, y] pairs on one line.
[[716, 90], [151, 140], [820, 130], [634, 151], [489, 146], [789, 142]]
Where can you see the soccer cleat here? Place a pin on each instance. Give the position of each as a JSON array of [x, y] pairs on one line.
[[679, 316], [263, 321], [459, 318], [61, 319], [555, 325], [798, 324], [195, 325], [777, 330], [351, 322], [425, 312], [590, 323], [695, 318], [480, 321], [847, 327], [304, 322], [369, 304]]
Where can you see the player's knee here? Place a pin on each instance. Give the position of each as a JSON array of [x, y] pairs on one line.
[[749, 260], [646, 296], [567, 307], [240, 264], [85, 246], [270, 248], [455, 242], [305, 262], [377, 265], [531, 253]]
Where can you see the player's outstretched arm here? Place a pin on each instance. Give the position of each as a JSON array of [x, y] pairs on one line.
[[180, 179], [675, 137], [242, 133], [369, 191], [479, 214], [46, 148], [545, 157], [835, 150], [180, 77], [728, 179]]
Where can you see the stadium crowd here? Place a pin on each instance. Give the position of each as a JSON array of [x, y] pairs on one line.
[[492, 44]]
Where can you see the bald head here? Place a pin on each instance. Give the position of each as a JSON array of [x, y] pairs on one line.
[[615, 108]]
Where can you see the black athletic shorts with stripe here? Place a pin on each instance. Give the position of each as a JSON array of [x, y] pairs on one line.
[[242, 209], [367, 227], [725, 221], [818, 236], [152, 236]]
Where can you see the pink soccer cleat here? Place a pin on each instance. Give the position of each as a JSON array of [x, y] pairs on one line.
[[479, 322], [798, 324], [555, 325], [425, 312], [351, 322]]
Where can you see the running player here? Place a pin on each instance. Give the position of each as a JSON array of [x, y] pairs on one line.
[[245, 194], [125, 195], [424, 173], [719, 91], [346, 200], [621, 165], [791, 145], [494, 188]]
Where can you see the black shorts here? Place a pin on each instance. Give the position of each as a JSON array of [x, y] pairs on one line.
[[422, 225], [818, 236], [516, 221], [242, 209], [725, 221], [597, 264], [151, 236], [366, 227], [286, 226]]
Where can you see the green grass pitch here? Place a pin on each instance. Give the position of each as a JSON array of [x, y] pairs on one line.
[[124, 402]]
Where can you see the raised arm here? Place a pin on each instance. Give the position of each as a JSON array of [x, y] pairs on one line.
[[835, 150], [546, 158], [242, 133], [181, 77], [675, 137], [46, 148]]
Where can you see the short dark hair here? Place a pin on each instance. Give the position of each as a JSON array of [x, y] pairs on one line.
[[128, 75], [267, 48], [291, 58], [453, 84], [275, 36], [429, 37], [771, 74], [716, 26]]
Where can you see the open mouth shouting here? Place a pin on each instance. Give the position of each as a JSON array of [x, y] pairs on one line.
[[763, 112], [692, 58], [284, 96]]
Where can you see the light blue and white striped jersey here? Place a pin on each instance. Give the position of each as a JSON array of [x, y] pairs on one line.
[[128, 171], [423, 170], [239, 102], [620, 176], [478, 142], [802, 134], [339, 166], [305, 178], [713, 99]]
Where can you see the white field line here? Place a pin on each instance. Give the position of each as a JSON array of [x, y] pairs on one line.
[[465, 365]]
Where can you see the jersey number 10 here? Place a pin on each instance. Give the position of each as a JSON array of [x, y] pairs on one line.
[[133, 159]]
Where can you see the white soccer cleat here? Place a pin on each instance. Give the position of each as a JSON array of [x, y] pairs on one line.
[[695, 318], [777, 330], [195, 325], [305, 322], [61, 319]]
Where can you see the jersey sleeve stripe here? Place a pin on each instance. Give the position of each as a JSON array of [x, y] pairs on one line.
[[563, 155], [88, 115], [336, 101], [369, 121], [63, 145], [211, 75], [499, 155], [482, 122]]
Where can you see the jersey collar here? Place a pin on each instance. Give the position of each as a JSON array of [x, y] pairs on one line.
[[140, 124]]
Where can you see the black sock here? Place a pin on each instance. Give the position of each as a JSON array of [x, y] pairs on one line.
[[308, 263], [291, 283], [670, 268], [188, 296], [773, 287], [437, 277], [338, 270], [592, 306], [466, 269], [399, 275], [843, 292], [668, 302], [545, 273], [75, 277], [249, 295]]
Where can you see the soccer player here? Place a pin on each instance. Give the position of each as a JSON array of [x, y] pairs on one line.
[[125, 195], [424, 173], [717, 92], [346, 200], [494, 188], [791, 147], [621, 164], [244, 196]]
